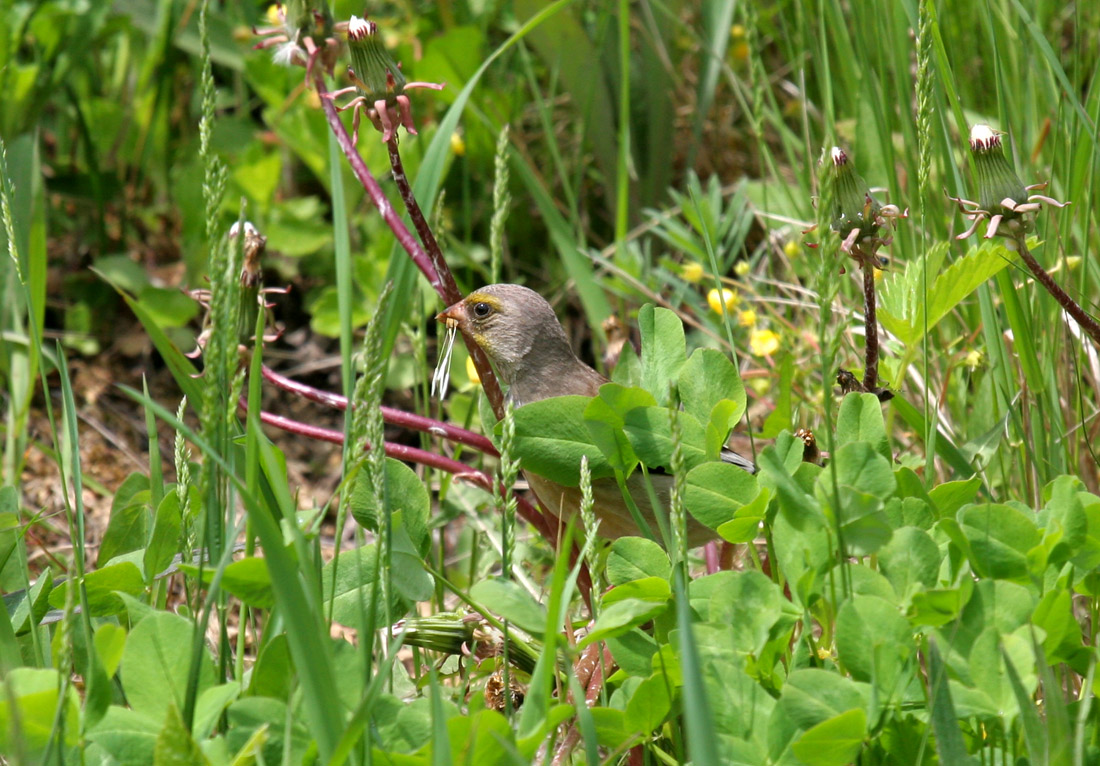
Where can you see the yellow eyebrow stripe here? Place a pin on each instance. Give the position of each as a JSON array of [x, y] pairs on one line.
[[492, 300]]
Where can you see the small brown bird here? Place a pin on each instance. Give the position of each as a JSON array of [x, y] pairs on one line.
[[519, 332]]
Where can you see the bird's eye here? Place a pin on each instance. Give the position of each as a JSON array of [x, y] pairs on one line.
[[482, 310]]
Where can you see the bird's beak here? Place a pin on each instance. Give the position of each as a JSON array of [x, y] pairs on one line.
[[452, 315]]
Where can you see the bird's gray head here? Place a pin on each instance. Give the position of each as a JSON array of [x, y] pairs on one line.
[[513, 324]]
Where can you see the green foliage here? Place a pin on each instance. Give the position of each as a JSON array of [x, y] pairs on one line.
[[927, 595]]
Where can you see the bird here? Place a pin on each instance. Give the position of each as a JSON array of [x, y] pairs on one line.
[[520, 333]]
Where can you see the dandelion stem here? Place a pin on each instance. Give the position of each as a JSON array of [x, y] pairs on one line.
[[1070, 306], [870, 367]]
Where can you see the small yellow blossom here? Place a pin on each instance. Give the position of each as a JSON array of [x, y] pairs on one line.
[[1072, 262], [313, 101], [272, 15], [737, 32], [747, 318], [471, 371], [458, 144], [878, 274], [792, 248], [742, 268], [974, 358], [727, 297], [823, 653], [692, 272], [763, 342]]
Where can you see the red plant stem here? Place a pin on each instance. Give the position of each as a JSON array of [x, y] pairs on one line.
[[399, 451], [450, 293], [421, 457], [870, 322], [1071, 307], [389, 414], [374, 191], [416, 215], [433, 267]]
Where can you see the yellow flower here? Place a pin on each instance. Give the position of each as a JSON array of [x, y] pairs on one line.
[[458, 144], [792, 248], [737, 32], [1072, 261], [272, 15], [973, 358], [692, 272], [727, 297], [878, 274], [763, 342], [742, 268], [747, 318], [471, 371]]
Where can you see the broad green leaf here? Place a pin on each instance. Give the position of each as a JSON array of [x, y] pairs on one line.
[[604, 418], [551, 438], [128, 528], [484, 737], [812, 696], [155, 664], [210, 705], [706, 379], [999, 538], [102, 585], [248, 579], [835, 742], [405, 492], [650, 433], [273, 673], [407, 572], [632, 558], [510, 601], [29, 709], [860, 420], [910, 561], [128, 736], [175, 746], [663, 351], [633, 652], [27, 608], [354, 589], [110, 640], [165, 539], [874, 642], [749, 609], [950, 496], [620, 614], [901, 308], [650, 704], [864, 480], [714, 492]]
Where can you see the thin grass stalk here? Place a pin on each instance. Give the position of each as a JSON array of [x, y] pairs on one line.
[[501, 202]]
